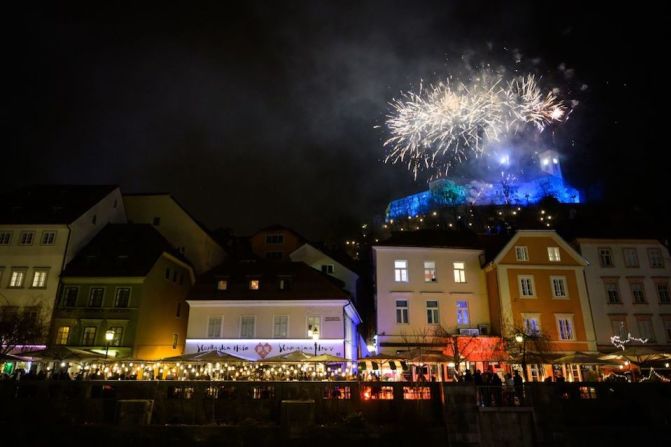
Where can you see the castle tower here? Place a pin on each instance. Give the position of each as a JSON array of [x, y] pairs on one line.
[[548, 161]]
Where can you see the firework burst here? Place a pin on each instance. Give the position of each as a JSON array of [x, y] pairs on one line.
[[447, 123]]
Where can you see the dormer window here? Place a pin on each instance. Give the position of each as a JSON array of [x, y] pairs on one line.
[[222, 284], [254, 284]]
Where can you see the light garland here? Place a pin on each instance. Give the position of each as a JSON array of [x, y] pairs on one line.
[[620, 342]]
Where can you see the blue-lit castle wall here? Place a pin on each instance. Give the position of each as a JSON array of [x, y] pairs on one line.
[[446, 192]]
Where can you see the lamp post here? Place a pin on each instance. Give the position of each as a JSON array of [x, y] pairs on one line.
[[313, 331], [109, 336], [521, 339]]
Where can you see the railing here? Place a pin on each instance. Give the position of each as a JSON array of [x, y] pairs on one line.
[[502, 396]]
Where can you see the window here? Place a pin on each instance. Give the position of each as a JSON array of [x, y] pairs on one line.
[[167, 273], [280, 326], [254, 284], [40, 278], [432, 312], [62, 335], [178, 312], [89, 336], [70, 296], [174, 276], [553, 254], [463, 315], [117, 334], [655, 257], [122, 297], [526, 284], [274, 255], [314, 324], [274, 239], [96, 296], [645, 329], [630, 257], [531, 323], [48, 238], [429, 271], [214, 327], [175, 339], [612, 293], [521, 253], [618, 326], [606, 257], [94, 219], [328, 269], [565, 327], [156, 221], [16, 280], [5, 237], [638, 292], [401, 271], [667, 329], [284, 283], [459, 272], [402, 311], [663, 293], [26, 238], [559, 287], [222, 284], [247, 328]]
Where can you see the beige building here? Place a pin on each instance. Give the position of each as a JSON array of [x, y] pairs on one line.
[[259, 309], [128, 281], [628, 283], [175, 224], [423, 285], [42, 228]]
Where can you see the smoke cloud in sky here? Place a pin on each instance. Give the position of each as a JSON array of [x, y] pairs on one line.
[[266, 112]]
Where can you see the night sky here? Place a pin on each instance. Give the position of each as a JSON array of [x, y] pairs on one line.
[[265, 112]]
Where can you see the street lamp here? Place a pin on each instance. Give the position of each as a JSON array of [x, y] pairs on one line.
[[521, 339], [313, 331], [109, 336]]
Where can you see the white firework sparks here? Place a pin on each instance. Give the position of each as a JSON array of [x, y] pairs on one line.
[[445, 123]]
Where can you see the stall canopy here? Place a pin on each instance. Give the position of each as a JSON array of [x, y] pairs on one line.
[[584, 358], [289, 357], [207, 356], [63, 353]]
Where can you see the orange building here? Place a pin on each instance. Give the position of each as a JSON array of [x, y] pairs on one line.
[[537, 290], [275, 243]]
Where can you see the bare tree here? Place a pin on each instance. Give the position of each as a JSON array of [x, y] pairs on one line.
[[20, 326], [527, 347]]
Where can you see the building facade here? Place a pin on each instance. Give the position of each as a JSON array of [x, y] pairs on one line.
[[42, 228], [172, 220], [275, 243], [129, 282], [537, 290], [259, 309], [421, 289], [628, 284], [327, 264]]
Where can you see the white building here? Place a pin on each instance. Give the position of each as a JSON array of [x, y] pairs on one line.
[[41, 229], [184, 232], [628, 284], [259, 309]]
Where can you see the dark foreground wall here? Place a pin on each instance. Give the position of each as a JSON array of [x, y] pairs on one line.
[[328, 413]]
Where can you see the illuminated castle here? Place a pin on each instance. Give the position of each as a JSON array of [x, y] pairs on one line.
[[545, 180]]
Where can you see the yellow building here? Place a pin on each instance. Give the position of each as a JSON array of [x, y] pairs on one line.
[[129, 282], [537, 289]]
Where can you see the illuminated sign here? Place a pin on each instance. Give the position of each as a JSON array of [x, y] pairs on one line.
[[259, 349]]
